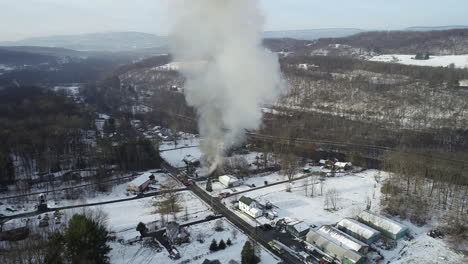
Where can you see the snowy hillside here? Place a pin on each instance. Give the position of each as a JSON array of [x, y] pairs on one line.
[[460, 61]]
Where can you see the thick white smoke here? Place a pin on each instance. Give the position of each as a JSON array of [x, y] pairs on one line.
[[229, 73]]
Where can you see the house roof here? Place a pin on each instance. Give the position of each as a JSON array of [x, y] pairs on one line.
[[331, 246], [246, 200], [138, 181], [382, 222], [358, 228], [342, 238], [299, 226], [342, 164], [227, 179]]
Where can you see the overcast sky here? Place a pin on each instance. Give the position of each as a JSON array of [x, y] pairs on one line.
[[25, 18]]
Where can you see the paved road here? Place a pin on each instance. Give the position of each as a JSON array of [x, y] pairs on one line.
[[145, 195]]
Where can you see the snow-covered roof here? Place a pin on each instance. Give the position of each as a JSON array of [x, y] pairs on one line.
[[342, 164], [358, 228], [140, 180], [190, 158], [255, 211], [382, 222], [331, 246], [227, 179], [300, 226], [342, 238]]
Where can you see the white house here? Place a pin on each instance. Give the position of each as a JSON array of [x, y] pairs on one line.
[[250, 207], [229, 181]]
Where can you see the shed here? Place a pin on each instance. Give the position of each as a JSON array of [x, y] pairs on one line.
[[343, 165], [386, 226], [141, 182], [344, 239], [358, 230], [298, 228], [333, 249], [229, 181]]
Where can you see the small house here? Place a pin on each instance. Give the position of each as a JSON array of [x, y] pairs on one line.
[[191, 161], [298, 228], [359, 231], [250, 207], [388, 227], [177, 234], [229, 181], [141, 183], [344, 239], [334, 248], [344, 166]]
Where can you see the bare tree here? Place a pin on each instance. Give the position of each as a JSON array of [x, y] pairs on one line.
[[289, 164], [332, 196]]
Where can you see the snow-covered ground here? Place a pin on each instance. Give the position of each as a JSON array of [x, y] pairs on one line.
[[460, 61], [193, 252], [353, 190], [83, 195], [252, 182], [175, 157]]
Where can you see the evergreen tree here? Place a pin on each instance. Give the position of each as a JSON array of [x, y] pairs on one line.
[[229, 242], [141, 227], [85, 241], [248, 254], [222, 245], [214, 245], [209, 188]]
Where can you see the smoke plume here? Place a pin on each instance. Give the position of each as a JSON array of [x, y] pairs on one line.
[[229, 74]]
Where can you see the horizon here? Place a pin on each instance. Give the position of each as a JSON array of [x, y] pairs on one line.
[[265, 31], [39, 18]]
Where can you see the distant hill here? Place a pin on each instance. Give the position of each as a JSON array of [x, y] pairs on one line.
[[436, 28], [312, 34], [116, 41]]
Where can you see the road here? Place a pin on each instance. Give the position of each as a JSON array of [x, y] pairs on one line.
[[34, 213], [262, 237]]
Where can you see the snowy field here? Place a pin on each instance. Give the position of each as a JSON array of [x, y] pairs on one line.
[[248, 183], [181, 143], [353, 190], [460, 61], [193, 252], [83, 196], [175, 156]]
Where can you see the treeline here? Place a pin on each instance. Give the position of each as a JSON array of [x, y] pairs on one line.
[[40, 131], [424, 187], [438, 42], [330, 64]]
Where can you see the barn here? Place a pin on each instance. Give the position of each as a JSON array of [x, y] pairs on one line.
[[334, 249], [358, 230], [388, 227], [344, 239], [141, 183]]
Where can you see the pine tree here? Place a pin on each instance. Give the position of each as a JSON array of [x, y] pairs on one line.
[[229, 242], [248, 254], [222, 245], [141, 227], [209, 188], [86, 241], [214, 245]]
